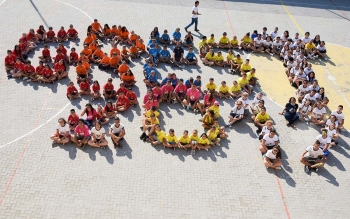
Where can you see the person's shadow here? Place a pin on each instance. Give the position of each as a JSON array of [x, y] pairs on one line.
[[125, 150]]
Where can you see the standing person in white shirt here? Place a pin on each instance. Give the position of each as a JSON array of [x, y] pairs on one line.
[[314, 155], [340, 117], [272, 158], [194, 17], [98, 136], [62, 135]]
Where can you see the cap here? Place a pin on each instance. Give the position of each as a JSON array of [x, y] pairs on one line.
[[216, 103]]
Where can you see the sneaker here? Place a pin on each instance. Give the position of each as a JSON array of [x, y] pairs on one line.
[[228, 126], [307, 169], [25, 78], [201, 120], [325, 58], [271, 54], [316, 169], [316, 56], [232, 72], [186, 29], [143, 136], [175, 101], [262, 52], [103, 147], [9, 76], [187, 107], [278, 168], [196, 30]]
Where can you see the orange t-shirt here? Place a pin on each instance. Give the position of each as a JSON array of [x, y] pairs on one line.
[[81, 70], [133, 38], [99, 53], [106, 31], [114, 31], [123, 68], [140, 46], [86, 64], [126, 77], [116, 50], [124, 35], [105, 60], [81, 57], [93, 47], [133, 49], [88, 40], [124, 51], [114, 61], [93, 36], [96, 26], [87, 52]]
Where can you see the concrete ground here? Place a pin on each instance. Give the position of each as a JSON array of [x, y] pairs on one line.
[[140, 181]]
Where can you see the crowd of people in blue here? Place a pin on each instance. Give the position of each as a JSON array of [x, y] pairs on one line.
[[309, 105]]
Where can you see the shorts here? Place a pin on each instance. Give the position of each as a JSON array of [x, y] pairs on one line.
[[203, 144], [183, 143], [323, 51], [102, 119], [80, 137], [192, 102], [190, 60], [109, 92], [61, 136], [270, 147], [180, 94], [236, 116], [218, 136], [82, 76], [171, 142], [117, 134], [177, 59], [193, 142], [266, 47]]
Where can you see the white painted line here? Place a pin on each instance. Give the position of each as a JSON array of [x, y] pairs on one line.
[[2, 2], [37, 128], [76, 8], [299, 3]]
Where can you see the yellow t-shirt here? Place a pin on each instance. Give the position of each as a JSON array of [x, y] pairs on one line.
[[219, 58], [250, 75], [234, 42], [217, 130], [238, 61], [262, 118], [247, 40], [194, 138], [153, 122], [149, 112], [246, 67], [223, 89], [211, 135], [203, 141], [160, 135], [201, 43], [216, 110], [310, 46], [230, 57], [170, 138], [224, 40], [211, 40], [211, 87], [184, 140], [209, 56], [235, 88], [242, 82]]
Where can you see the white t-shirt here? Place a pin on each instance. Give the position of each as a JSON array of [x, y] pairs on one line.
[[319, 112], [267, 43], [323, 141], [195, 9], [258, 42], [296, 54], [98, 133], [330, 133], [275, 44], [274, 34], [291, 65], [301, 76], [295, 40], [300, 59], [306, 40], [270, 141], [309, 97], [303, 89], [115, 129], [294, 71], [62, 129], [296, 44], [318, 96], [340, 116], [265, 130], [270, 155], [307, 70], [245, 102], [237, 111], [312, 153], [329, 122], [321, 48], [317, 88], [304, 109], [256, 100]]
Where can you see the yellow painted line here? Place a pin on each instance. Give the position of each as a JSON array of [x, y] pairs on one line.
[[291, 17]]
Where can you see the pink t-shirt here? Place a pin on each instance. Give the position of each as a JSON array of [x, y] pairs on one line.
[[193, 94], [91, 115], [206, 100], [145, 98], [82, 131], [181, 88], [157, 92], [167, 89], [149, 104]]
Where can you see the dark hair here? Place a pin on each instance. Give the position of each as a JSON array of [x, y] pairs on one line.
[[106, 27], [92, 109], [341, 106], [279, 154], [211, 112], [196, 2], [81, 120], [72, 110], [124, 29], [64, 121], [171, 130], [290, 99]]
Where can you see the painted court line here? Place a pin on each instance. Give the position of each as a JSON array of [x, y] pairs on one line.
[[2, 2], [228, 16], [76, 8]]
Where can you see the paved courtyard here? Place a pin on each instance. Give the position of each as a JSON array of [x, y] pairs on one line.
[[140, 181]]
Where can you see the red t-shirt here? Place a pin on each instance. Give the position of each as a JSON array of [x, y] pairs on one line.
[[108, 109], [108, 87], [50, 33], [59, 68], [167, 89], [15, 53], [123, 100], [122, 90], [84, 86], [47, 72], [70, 90], [61, 33], [22, 46], [29, 69], [74, 56], [46, 53], [95, 88], [59, 57], [19, 66], [73, 120], [30, 36], [39, 69], [24, 39], [10, 60], [63, 50], [71, 32], [131, 96]]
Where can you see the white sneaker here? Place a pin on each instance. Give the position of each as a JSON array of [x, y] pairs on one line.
[[271, 54], [325, 58], [278, 168], [316, 56], [25, 78]]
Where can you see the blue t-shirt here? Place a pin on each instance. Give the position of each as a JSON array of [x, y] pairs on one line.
[[190, 55], [148, 71], [156, 35], [165, 37], [152, 79], [177, 35], [154, 52], [188, 83], [165, 53], [253, 36], [197, 83]]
